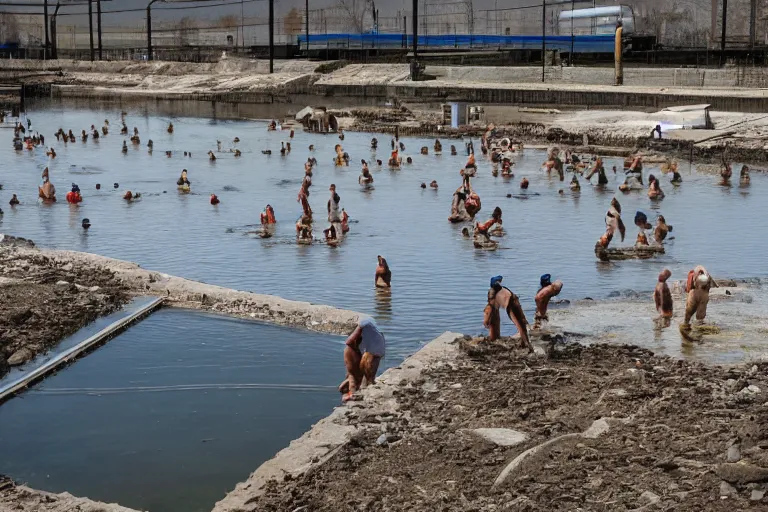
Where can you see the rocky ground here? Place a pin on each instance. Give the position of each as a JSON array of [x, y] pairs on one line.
[[603, 428], [15, 498], [43, 301]]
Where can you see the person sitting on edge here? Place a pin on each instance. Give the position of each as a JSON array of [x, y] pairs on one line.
[[504, 298], [662, 296], [363, 352], [543, 296], [383, 276]]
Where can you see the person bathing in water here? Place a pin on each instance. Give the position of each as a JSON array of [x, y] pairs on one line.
[[74, 196], [304, 229], [598, 169], [502, 297], [744, 175], [365, 177], [183, 183], [363, 352], [547, 290], [383, 276], [344, 222], [481, 237], [214, 199], [14, 200], [698, 286], [654, 188], [662, 229], [267, 216], [662, 296], [303, 197], [641, 221]]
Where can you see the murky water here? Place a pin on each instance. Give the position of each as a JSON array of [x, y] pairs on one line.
[[169, 415], [439, 279]]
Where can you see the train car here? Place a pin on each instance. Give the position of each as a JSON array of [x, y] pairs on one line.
[[596, 21]]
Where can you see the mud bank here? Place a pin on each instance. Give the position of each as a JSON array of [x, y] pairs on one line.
[[45, 301], [17, 498], [594, 428], [377, 405], [181, 292]]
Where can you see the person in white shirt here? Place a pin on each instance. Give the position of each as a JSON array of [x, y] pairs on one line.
[[363, 353]]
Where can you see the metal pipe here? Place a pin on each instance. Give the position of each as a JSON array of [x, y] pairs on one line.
[[619, 69], [47, 38], [90, 28], [271, 36], [98, 24], [149, 29]]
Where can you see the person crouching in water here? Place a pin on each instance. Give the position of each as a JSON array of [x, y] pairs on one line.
[[654, 188], [641, 221], [304, 229], [364, 350], [268, 216], [383, 276], [481, 236], [698, 285], [543, 296], [662, 229], [502, 297], [663, 297]]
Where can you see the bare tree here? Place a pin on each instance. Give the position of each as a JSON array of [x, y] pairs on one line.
[[355, 12]]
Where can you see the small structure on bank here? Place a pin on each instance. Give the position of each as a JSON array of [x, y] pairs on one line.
[[317, 120]]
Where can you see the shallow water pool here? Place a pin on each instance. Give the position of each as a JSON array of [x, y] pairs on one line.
[[171, 414], [439, 279]]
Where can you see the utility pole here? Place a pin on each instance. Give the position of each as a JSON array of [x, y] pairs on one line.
[[47, 38], [54, 45], [271, 36], [722, 36], [752, 16], [149, 29], [572, 38], [415, 30], [98, 24], [242, 27], [306, 24], [543, 37], [90, 28]]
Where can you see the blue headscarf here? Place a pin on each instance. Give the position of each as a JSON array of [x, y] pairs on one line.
[[496, 280], [545, 280]]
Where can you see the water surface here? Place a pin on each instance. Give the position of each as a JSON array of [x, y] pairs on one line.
[[171, 414]]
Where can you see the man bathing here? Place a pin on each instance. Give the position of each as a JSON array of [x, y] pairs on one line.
[[662, 296], [363, 353], [543, 296], [383, 275], [502, 297]]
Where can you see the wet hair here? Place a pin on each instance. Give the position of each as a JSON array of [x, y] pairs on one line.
[[423, 185], [496, 213], [98, 186], [116, 185], [662, 219]]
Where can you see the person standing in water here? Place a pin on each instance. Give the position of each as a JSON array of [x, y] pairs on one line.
[[662, 296], [383, 276], [303, 197], [502, 297], [543, 296], [363, 352], [698, 285], [334, 212], [365, 177]]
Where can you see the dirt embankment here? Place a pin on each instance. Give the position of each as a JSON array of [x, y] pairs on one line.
[[15, 498], [670, 435], [43, 301]]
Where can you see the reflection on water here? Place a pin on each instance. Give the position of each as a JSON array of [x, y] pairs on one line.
[[440, 280], [169, 415]]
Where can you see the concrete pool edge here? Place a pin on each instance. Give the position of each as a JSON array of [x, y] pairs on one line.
[[189, 294], [334, 431]]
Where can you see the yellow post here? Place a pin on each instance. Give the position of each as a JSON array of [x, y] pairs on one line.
[[617, 57]]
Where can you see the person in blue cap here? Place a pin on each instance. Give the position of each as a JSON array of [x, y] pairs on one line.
[[364, 350], [502, 297], [543, 296]]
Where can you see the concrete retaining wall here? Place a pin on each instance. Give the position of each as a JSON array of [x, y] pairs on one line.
[[332, 432]]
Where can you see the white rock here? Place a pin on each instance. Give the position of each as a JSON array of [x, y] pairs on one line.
[[501, 436], [649, 498], [62, 284], [618, 392], [757, 495], [597, 428], [733, 455], [94, 289], [727, 490], [21, 356], [456, 386]]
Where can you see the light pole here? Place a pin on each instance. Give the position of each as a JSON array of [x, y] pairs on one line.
[[47, 38], [149, 29], [543, 37], [54, 46], [98, 24], [306, 24], [90, 28], [271, 36]]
